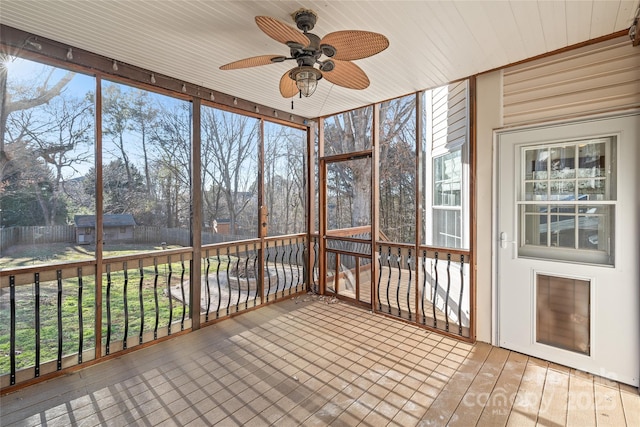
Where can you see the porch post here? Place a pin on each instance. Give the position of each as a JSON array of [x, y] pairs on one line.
[[322, 211], [375, 201], [98, 228], [195, 279]]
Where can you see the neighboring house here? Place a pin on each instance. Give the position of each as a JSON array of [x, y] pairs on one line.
[[116, 228]]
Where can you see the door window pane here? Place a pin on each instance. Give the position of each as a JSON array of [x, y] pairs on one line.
[[555, 210]]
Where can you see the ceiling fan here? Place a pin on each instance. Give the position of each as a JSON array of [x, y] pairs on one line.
[[308, 50]]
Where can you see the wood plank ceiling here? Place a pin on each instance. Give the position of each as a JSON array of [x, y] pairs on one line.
[[431, 43]]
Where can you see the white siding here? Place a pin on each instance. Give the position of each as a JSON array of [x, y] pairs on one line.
[[449, 113], [590, 80]]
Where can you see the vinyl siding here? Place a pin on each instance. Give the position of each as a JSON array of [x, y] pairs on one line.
[[589, 80]]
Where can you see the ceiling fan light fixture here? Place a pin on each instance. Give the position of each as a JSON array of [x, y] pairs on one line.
[[306, 78]]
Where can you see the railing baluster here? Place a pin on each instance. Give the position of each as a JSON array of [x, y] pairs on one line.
[[297, 265], [461, 291], [12, 329], [314, 273], [207, 284], [126, 304], [169, 295], [435, 291], [246, 274], [424, 285], [266, 263], [399, 265], [238, 281], [141, 301], [446, 301], [218, 282], [107, 348], [379, 277], [255, 274], [228, 281], [389, 280], [184, 302], [409, 284], [59, 309], [80, 317], [155, 297], [275, 266], [291, 266], [37, 330]]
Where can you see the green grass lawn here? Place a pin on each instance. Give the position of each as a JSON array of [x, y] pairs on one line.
[[70, 310], [37, 254]]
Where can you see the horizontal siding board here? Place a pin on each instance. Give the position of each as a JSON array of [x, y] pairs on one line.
[[582, 108], [590, 80], [581, 57], [608, 67], [575, 98], [625, 79]]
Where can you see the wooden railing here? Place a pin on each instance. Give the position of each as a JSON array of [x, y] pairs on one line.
[[52, 314]]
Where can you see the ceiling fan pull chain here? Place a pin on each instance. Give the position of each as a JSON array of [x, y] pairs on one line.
[[292, 104]]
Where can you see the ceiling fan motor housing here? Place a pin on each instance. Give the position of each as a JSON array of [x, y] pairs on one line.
[[305, 19]]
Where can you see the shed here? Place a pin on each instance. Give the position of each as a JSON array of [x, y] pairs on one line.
[[116, 228]]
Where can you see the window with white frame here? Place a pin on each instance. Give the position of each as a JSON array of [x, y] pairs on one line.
[[445, 167]]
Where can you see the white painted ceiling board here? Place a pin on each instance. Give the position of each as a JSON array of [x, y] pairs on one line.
[[553, 16], [431, 42]]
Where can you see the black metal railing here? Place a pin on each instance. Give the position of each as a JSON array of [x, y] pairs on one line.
[[51, 321], [431, 287]]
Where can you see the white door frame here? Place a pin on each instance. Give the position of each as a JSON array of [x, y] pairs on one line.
[[495, 242]]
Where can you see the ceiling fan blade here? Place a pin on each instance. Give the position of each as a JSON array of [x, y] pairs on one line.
[[254, 61], [280, 31], [288, 86], [354, 44], [347, 74]]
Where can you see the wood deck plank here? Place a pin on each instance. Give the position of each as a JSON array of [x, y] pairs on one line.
[[498, 407], [609, 410], [553, 407], [581, 407], [449, 398], [474, 400], [314, 363]]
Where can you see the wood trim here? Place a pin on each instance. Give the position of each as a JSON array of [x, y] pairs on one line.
[[99, 220], [419, 189], [310, 196], [345, 232], [13, 41], [322, 210], [354, 155], [195, 230], [375, 200], [473, 218], [561, 50], [262, 213]]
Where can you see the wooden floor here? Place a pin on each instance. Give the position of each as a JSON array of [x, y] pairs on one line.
[[309, 362]]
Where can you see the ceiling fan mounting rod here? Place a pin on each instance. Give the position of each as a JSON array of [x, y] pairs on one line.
[[305, 19]]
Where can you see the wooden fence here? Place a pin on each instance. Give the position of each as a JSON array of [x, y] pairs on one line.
[[10, 236]]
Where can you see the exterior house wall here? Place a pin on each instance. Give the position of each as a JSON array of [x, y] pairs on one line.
[[600, 78]]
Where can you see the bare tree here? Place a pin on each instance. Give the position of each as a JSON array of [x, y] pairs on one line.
[[60, 134], [41, 89], [117, 121], [232, 139]]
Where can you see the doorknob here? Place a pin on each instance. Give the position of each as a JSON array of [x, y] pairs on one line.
[[503, 240]]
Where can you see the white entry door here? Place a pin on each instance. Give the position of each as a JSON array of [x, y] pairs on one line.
[[567, 249]]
